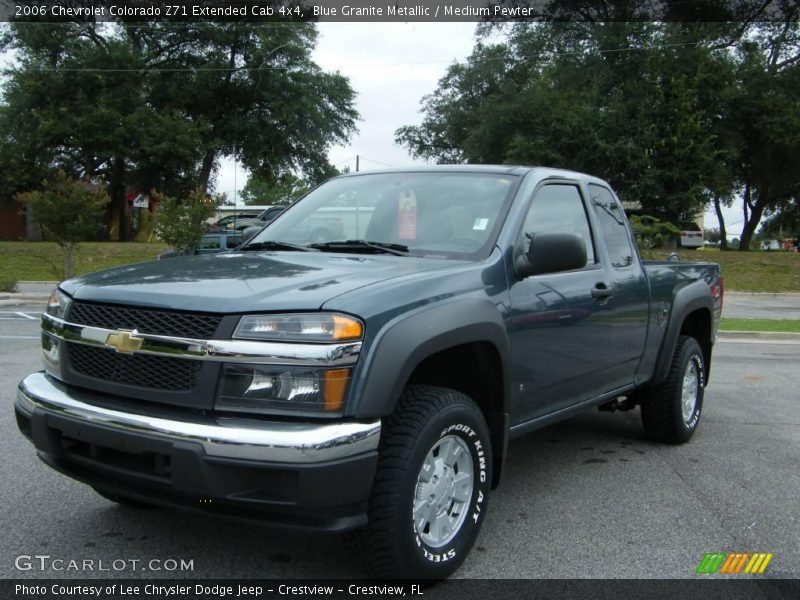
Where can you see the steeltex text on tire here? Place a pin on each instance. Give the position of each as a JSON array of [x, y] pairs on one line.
[[671, 411]]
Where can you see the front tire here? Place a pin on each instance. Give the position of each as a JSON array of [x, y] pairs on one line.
[[671, 411], [431, 487]]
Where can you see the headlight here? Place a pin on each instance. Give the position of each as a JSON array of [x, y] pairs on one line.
[[58, 303], [274, 388], [311, 327]]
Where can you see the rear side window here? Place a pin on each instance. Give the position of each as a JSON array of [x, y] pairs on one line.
[[559, 208], [612, 225], [209, 242]]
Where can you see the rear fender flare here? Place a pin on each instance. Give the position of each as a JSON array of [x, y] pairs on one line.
[[695, 296]]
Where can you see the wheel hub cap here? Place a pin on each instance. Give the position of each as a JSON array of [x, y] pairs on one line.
[[691, 384], [443, 491]]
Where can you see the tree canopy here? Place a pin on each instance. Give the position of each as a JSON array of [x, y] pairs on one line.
[[672, 114], [283, 190], [155, 105]]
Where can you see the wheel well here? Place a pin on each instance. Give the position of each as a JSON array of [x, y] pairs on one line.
[[474, 369], [698, 325]]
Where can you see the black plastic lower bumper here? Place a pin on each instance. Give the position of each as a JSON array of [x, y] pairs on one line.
[[327, 496]]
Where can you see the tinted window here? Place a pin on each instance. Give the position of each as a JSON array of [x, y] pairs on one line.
[[232, 241], [559, 208], [613, 226], [208, 242]]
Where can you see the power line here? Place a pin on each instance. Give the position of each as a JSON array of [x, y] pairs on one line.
[[376, 162], [354, 65]]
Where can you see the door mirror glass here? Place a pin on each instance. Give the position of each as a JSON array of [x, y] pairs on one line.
[[551, 253]]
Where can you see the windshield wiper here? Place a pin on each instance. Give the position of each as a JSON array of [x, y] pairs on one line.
[[276, 245], [396, 249]]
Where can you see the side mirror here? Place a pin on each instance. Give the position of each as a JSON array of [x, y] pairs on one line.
[[551, 253]]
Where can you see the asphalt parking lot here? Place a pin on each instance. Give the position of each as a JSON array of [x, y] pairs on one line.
[[585, 498]]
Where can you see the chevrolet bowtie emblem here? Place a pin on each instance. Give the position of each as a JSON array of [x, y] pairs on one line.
[[124, 341]]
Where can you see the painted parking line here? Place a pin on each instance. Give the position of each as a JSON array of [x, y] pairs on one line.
[[14, 315]]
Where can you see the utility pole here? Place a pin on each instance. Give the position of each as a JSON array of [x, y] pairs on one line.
[[356, 163]]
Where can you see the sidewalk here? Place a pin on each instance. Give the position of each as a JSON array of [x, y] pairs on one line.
[[739, 305]]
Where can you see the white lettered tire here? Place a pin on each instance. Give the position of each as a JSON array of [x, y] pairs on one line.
[[431, 487], [671, 410]]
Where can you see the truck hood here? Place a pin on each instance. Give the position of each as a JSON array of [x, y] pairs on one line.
[[245, 282]]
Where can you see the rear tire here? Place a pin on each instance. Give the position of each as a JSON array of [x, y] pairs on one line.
[[671, 410], [431, 487]]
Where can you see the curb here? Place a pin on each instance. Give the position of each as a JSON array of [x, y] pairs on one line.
[[761, 294], [16, 298], [759, 335]]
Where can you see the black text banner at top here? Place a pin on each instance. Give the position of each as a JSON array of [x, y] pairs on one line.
[[397, 10]]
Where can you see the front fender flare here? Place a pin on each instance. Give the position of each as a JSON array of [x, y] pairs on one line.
[[402, 344]]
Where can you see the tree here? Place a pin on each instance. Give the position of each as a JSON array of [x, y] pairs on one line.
[[283, 190], [651, 232], [634, 102], [154, 106], [69, 212], [712, 235], [784, 220], [181, 224], [765, 119]]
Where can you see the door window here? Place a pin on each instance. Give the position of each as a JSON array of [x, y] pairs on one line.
[[559, 208]]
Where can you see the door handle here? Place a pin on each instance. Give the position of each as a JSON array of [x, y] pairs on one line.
[[601, 291]]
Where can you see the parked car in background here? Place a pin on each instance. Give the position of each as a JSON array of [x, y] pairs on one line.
[[210, 243], [691, 235], [267, 216], [231, 221]]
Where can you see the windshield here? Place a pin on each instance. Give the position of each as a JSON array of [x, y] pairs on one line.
[[451, 215]]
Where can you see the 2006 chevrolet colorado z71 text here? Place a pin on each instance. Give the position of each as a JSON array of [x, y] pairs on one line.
[[371, 382]]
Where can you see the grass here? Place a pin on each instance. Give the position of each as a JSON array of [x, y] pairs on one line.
[[782, 325], [746, 271], [8, 285], [42, 261]]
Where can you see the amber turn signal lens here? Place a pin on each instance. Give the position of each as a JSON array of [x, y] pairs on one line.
[[345, 328], [334, 387]]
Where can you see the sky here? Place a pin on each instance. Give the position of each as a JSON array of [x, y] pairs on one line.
[[391, 66]]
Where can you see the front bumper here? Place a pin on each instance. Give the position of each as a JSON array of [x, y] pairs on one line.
[[301, 474]]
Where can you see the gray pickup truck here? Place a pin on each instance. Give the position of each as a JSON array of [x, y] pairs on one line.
[[371, 383]]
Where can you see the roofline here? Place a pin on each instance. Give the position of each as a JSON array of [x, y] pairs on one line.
[[450, 168], [515, 170]]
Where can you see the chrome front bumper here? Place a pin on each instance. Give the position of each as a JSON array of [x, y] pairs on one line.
[[237, 438]]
